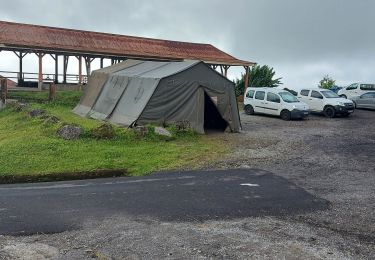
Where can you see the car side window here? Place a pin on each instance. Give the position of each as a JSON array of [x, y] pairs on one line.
[[273, 98], [351, 87], [305, 92], [250, 94], [259, 95], [316, 94], [367, 87], [368, 95]]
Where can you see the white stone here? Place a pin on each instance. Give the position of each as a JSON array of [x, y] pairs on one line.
[[162, 131]]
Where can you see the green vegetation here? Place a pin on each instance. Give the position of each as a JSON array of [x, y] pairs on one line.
[[327, 82], [64, 98], [31, 146], [259, 77]]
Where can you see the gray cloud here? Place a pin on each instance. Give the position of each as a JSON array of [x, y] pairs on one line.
[[302, 39]]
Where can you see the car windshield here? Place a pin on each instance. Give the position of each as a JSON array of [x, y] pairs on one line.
[[288, 98], [329, 94]]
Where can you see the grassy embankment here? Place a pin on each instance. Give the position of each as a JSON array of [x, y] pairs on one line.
[[29, 146]]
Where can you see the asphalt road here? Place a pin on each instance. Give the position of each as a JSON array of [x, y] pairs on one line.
[[176, 196]]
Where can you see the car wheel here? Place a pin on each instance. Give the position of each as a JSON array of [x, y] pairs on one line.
[[249, 110], [285, 115], [329, 112]]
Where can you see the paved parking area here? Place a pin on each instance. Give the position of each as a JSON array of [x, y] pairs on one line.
[[331, 158], [188, 196]]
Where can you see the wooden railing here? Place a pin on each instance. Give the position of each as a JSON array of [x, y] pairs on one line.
[[47, 77]]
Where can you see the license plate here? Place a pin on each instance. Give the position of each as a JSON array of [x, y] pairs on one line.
[[350, 111], [306, 113]]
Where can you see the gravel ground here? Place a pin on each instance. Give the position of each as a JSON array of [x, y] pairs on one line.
[[330, 158]]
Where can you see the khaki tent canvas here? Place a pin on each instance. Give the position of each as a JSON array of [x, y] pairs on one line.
[[137, 92]]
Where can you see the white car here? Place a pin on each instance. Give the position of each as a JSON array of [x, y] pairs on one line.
[[326, 101], [274, 102], [355, 90]]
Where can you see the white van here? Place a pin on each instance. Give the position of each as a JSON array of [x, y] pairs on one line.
[[355, 90], [274, 102], [326, 101]]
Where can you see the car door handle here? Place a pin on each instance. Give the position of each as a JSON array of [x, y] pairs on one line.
[[310, 98]]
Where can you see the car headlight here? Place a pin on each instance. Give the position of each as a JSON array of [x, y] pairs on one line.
[[340, 103], [294, 107]]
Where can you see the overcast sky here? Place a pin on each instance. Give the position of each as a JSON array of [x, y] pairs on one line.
[[303, 40]]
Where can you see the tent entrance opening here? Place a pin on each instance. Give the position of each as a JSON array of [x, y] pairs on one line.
[[212, 117]]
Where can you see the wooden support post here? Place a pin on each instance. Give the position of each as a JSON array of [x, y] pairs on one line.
[[79, 69], [226, 70], [20, 56], [56, 76], [52, 92], [221, 69], [56, 69], [4, 90], [40, 72], [20, 70], [65, 68], [88, 66], [88, 61], [246, 81]]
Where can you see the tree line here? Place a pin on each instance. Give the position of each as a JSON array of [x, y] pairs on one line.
[[264, 76]]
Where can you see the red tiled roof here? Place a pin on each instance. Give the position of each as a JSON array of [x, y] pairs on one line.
[[68, 40]]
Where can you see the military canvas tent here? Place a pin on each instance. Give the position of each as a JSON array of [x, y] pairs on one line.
[[137, 92]]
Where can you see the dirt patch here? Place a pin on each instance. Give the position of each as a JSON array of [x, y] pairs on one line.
[[28, 251]]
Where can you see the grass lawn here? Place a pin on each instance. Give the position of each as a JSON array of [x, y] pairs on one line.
[[28, 146]]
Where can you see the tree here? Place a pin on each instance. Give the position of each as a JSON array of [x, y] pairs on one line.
[[327, 82], [259, 76]]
